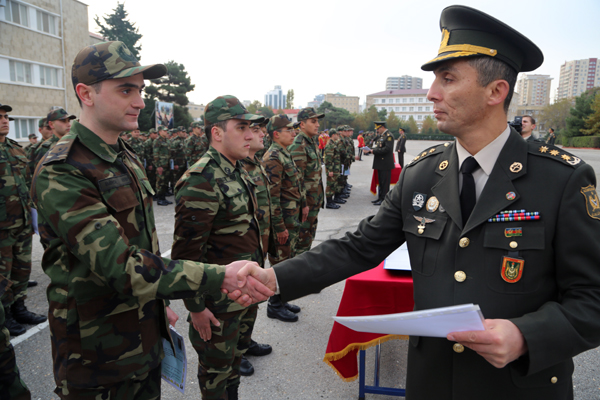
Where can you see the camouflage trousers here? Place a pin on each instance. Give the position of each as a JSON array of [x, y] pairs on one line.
[[162, 182], [177, 174], [219, 358], [308, 230], [279, 252], [11, 385], [332, 185], [15, 262], [144, 387], [151, 174]]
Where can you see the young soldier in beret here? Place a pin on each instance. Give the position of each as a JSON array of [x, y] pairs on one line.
[[484, 224], [109, 282]]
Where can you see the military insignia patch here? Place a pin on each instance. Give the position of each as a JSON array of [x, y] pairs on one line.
[[443, 165], [513, 232], [592, 203], [510, 196], [418, 200], [574, 160], [432, 204], [512, 269], [516, 167]]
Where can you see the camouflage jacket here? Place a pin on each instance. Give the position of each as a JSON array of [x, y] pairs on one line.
[[149, 152], [15, 203], [177, 151], [138, 147], [41, 151], [195, 147], [307, 158], [332, 157], [263, 197], [107, 278], [161, 153], [215, 218], [287, 189]]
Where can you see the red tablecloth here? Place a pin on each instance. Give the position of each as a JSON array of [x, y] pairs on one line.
[[373, 292], [375, 179]]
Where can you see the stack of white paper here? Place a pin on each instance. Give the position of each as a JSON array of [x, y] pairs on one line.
[[436, 322]]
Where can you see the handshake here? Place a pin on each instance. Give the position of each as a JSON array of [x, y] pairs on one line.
[[246, 283]]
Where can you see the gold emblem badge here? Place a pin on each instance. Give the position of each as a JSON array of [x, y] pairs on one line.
[[565, 157], [516, 167], [543, 149], [574, 160], [423, 221], [554, 152], [446, 144], [432, 150], [592, 203], [424, 154], [443, 165], [512, 269], [432, 204]]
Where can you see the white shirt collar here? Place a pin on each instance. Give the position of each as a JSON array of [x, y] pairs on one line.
[[486, 157]]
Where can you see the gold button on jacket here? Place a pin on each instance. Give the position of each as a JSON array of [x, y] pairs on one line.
[[459, 348], [460, 276]]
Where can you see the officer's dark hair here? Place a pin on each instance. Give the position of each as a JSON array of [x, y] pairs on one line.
[[208, 128], [96, 86], [490, 69], [530, 118]]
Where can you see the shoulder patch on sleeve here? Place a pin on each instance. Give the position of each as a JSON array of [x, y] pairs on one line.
[[390, 139], [428, 152], [199, 166], [592, 203], [555, 153], [61, 150]]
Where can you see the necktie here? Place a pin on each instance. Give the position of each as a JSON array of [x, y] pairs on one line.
[[467, 194]]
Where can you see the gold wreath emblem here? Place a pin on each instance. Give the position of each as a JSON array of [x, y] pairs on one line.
[[516, 167], [443, 165]]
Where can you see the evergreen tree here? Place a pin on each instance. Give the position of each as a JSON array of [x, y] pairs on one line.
[[173, 87], [289, 99], [117, 27], [583, 108]]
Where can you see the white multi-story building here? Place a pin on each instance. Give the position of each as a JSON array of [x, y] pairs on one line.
[[533, 90], [404, 103], [39, 40], [275, 98], [403, 82], [576, 77]]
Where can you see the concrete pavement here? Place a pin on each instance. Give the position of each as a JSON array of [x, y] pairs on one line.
[[295, 369]]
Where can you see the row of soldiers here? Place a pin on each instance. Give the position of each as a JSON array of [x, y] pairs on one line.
[[338, 157]]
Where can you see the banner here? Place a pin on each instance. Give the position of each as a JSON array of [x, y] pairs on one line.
[[164, 114]]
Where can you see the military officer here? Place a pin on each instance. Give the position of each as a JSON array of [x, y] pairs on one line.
[[483, 225], [551, 137], [287, 199], [108, 279], [215, 221], [401, 147], [383, 162], [308, 159], [15, 229]]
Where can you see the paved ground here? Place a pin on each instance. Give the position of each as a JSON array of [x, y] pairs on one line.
[[295, 370]]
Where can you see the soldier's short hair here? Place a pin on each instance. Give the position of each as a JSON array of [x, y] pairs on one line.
[[489, 69], [530, 118], [208, 128]]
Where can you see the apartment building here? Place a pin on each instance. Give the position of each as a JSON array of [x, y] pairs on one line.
[[533, 90], [404, 103], [350, 103], [576, 77], [403, 82]]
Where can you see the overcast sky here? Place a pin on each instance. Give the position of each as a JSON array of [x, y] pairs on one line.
[[245, 48]]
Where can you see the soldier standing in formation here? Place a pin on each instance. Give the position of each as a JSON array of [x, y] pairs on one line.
[[216, 221], [178, 155], [137, 144], [149, 158], [287, 199], [332, 167], [59, 123], [383, 162], [307, 157], [108, 280], [195, 145], [161, 154]]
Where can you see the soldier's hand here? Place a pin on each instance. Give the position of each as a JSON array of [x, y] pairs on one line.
[[252, 291], [202, 320], [282, 237], [250, 275], [172, 316], [305, 213], [500, 343], [159, 170]]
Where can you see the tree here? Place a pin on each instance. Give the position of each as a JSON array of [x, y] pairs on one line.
[[173, 87], [254, 107], [382, 114], [429, 126], [583, 108], [289, 100], [393, 123], [554, 115], [265, 111], [592, 121], [411, 126], [119, 28], [334, 116]]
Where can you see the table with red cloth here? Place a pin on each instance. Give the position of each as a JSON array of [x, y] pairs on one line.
[[395, 176], [374, 292]]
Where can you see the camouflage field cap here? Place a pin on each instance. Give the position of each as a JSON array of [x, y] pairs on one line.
[[262, 123], [42, 123], [308, 113], [59, 113], [161, 128], [467, 32], [297, 125], [5, 107], [32, 135], [227, 107], [180, 128], [110, 60], [196, 125], [279, 121], [152, 130], [333, 131]]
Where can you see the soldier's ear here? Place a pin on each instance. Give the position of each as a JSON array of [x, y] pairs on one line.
[[85, 94]]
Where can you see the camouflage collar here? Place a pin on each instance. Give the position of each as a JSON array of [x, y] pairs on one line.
[[308, 138], [222, 161], [282, 149], [93, 142]]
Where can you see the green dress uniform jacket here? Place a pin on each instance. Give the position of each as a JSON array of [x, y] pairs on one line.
[[555, 302], [384, 152], [107, 278]]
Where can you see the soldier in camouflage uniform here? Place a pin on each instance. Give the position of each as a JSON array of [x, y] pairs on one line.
[[340, 193], [287, 199], [332, 167], [33, 141], [308, 159], [108, 280], [350, 156], [149, 158], [215, 221], [137, 144], [59, 122], [178, 155], [15, 229], [196, 145], [162, 162], [266, 142]]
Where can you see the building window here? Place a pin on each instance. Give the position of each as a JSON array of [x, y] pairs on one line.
[[397, 100], [419, 117], [403, 108], [427, 108], [20, 72], [404, 117], [23, 127], [411, 109], [420, 99], [16, 13], [397, 109], [420, 109], [46, 22], [382, 101], [412, 100], [404, 100], [48, 76]]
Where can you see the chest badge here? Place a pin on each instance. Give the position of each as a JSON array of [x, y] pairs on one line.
[[418, 200], [423, 223], [432, 204], [443, 165], [516, 167], [512, 269]]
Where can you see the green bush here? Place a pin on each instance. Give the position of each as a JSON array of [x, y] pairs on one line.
[[583, 141], [441, 136]]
